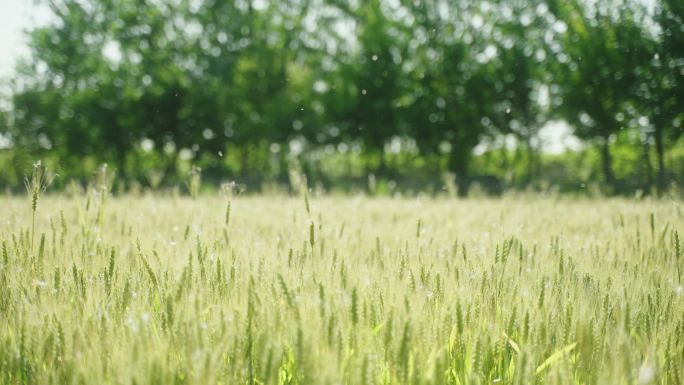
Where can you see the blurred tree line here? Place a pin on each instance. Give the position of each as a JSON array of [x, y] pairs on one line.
[[401, 90]]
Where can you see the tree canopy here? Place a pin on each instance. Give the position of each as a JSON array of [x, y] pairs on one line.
[[250, 89]]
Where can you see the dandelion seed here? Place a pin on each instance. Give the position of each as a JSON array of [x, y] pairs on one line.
[[132, 325], [646, 374]]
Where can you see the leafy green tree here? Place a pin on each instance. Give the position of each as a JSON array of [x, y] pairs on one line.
[[375, 74], [660, 69], [251, 88], [452, 83], [593, 72], [520, 74]]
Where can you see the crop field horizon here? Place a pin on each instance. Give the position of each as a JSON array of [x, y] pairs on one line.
[[277, 289], [337, 192]]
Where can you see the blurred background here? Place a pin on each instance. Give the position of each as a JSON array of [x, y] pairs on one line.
[[574, 96]]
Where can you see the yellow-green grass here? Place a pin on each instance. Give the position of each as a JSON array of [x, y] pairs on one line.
[[353, 290]]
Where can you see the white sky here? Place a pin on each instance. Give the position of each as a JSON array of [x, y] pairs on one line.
[[15, 16], [18, 15]]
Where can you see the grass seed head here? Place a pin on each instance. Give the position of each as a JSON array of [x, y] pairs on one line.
[[37, 182]]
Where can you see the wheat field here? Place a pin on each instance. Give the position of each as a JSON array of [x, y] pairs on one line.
[[277, 289]]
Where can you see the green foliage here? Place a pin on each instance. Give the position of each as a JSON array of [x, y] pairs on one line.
[[344, 90]]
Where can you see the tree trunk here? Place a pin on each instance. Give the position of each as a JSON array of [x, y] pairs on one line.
[[283, 166], [508, 179], [607, 165], [660, 151], [171, 169], [121, 163], [517, 160], [244, 162], [458, 164], [531, 172], [382, 170], [648, 168]]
